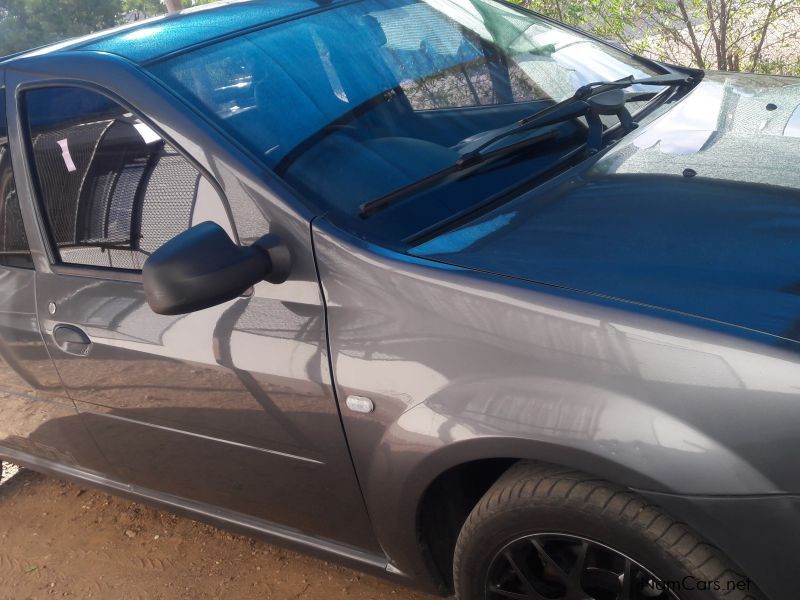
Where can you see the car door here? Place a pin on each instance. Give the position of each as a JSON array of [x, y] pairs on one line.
[[38, 421], [230, 407]]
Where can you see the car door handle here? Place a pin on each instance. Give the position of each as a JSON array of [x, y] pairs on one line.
[[72, 340]]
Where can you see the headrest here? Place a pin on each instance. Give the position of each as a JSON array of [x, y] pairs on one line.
[[372, 27]]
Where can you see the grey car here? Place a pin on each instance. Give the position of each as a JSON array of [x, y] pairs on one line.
[[439, 289]]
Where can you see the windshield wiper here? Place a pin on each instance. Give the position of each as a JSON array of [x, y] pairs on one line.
[[573, 107], [458, 170], [590, 100]]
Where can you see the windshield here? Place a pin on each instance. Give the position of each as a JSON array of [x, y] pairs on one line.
[[354, 100]]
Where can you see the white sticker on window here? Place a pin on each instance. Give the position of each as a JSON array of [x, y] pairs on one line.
[[66, 155], [148, 135]]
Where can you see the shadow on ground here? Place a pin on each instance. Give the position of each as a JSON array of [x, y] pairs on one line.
[[60, 540]]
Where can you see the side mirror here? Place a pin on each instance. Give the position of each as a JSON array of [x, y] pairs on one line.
[[202, 267]]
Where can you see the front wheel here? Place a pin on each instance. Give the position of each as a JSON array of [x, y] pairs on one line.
[[543, 532]]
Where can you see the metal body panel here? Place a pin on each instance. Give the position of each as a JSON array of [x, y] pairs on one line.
[[463, 366], [717, 242], [230, 413], [33, 402], [36, 414], [232, 406], [761, 534], [371, 563]]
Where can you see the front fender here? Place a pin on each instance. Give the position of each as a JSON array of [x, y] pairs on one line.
[[612, 436], [564, 422], [463, 366]]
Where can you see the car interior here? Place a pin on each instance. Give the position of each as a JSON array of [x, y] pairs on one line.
[[395, 106], [113, 190]]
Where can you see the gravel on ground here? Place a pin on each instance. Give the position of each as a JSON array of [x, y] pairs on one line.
[[61, 540]]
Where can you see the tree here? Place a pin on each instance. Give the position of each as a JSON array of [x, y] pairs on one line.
[[150, 8], [751, 35], [30, 23], [176, 5], [730, 35], [141, 9]]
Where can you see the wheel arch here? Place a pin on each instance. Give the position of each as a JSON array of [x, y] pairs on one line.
[[441, 484], [460, 474]]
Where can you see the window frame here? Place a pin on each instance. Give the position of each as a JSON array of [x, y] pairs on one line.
[[3, 265], [91, 271]]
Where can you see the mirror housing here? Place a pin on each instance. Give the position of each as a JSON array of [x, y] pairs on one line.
[[203, 267]]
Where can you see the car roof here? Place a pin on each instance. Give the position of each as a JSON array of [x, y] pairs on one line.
[[150, 39]]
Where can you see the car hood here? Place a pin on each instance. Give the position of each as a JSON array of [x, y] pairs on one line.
[[639, 226]]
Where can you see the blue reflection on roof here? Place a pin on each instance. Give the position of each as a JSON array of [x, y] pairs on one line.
[[171, 33]]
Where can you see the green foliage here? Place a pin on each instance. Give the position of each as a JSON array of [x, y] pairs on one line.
[[750, 35], [157, 7], [610, 19], [29, 23], [784, 66], [143, 8], [746, 35]]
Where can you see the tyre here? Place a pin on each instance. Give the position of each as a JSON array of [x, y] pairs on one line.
[[546, 532]]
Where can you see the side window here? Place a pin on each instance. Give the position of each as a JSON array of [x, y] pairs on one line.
[[14, 250], [112, 191]]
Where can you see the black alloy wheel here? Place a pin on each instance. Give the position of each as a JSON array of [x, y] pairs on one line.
[[549, 566]]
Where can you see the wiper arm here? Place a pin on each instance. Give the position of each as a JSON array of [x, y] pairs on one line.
[[666, 79], [571, 108], [590, 100]]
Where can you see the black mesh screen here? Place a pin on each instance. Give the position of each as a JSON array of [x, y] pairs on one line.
[[108, 194], [169, 198], [14, 249], [60, 186], [112, 192]]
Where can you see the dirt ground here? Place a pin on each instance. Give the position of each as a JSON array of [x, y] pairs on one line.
[[60, 540]]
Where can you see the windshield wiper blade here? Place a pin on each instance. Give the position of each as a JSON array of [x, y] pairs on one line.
[[579, 104], [458, 170]]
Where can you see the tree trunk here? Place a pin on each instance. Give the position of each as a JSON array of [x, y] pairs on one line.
[[724, 16], [719, 46], [762, 36], [696, 49], [173, 5]]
